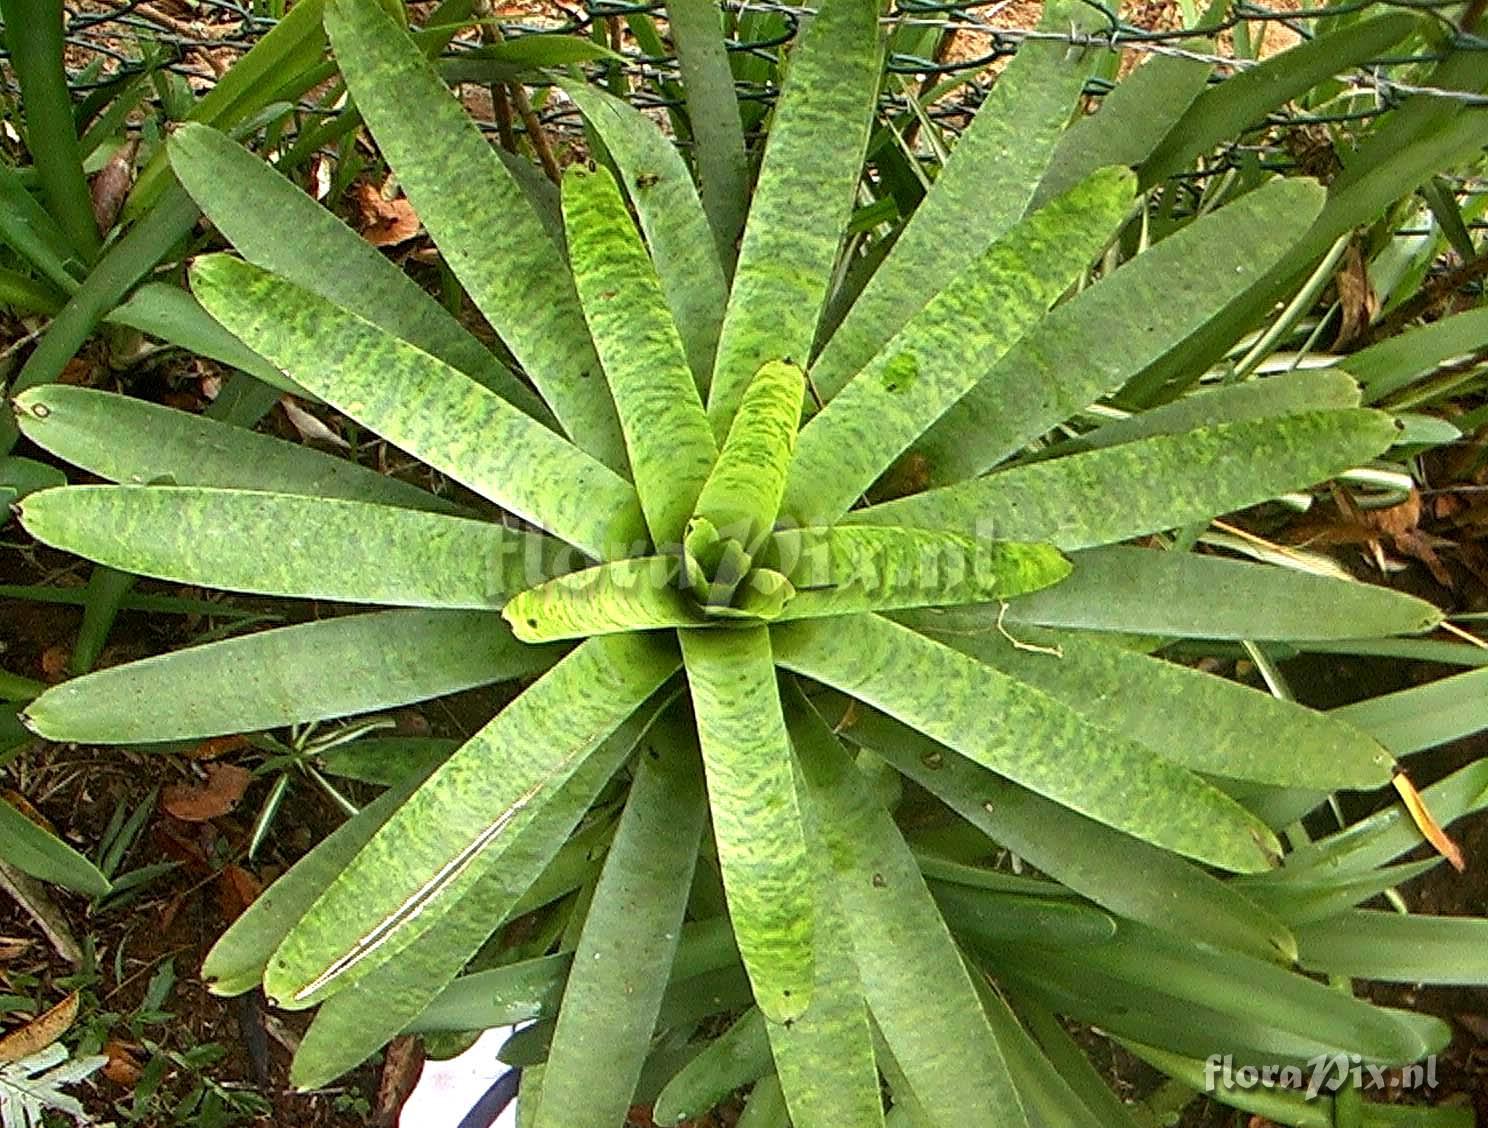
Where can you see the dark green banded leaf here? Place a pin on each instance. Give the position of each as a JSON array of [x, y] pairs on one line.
[[424, 406], [945, 349], [845, 570], [767, 872], [477, 213], [1103, 496], [918, 989], [676, 226], [1396, 948], [741, 497], [450, 833], [124, 439], [236, 190], [984, 189], [667, 435], [1093, 860], [32, 850], [283, 544], [1180, 594], [806, 189], [1098, 340], [1247, 734], [1026, 735], [311, 672], [628, 595], [629, 938]]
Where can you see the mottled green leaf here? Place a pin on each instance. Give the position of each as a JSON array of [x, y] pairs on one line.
[[283, 544], [917, 987], [1103, 496], [123, 439], [479, 216], [629, 938], [312, 672], [276, 226], [767, 874], [1247, 734], [984, 189], [1141, 591], [424, 406], [628, 595], [1098, 340], [1026, 735], [667, 435], [457, 826], [801, 206], [947, 347], [677, 232]]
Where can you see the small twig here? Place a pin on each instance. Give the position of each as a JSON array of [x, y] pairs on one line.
[[1019, 644]]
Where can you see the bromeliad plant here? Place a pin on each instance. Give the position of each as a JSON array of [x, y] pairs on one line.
[[714, 596]]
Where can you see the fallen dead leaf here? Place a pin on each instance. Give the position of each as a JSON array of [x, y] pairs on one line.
[[236, 890], [23, 805], [218, 747], [40, 1032], [123, 1068], [219, 794], [54, 661], [1357, 302], [33, 898], [400, 1073], [112, 184], [311, 429], [384, 222], [12, 949]]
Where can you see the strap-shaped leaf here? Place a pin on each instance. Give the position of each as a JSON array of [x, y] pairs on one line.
[[237, 191], [1247, 734], [713, 115], [947, 347], [1093, 344], [1026, 735], [667, 435], [767, 873], [917, 987], [629, 938], [1423, 716], [741, 497], [424, 406], [677, 232], [1393, 364], [32, 850], [845, 570], [984, 189], [1103, 496], [479, 216], [739, 1056], [457, 826], [1184, 595], [628, 595], [313, 672], [1039, 1084], [806, 189], [1397, 948], [124, 439], [282, 544], [1084, 855]]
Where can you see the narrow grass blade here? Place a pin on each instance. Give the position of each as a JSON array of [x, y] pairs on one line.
[[676, 226], [1183, 595], [667, 436], [1247, 734], [945, 349], [984, 189], [629, 938], [918, 989], [628, 595], [1104, 496], [801, 206], [457, 826], [312, 672], [845, 570], [480, 218], [713, 115], [1098, 340], [123, 439], [236, 190], [767, 872], [424, 406], [1024, 734], [32, 850], [1093, 860], [301, 547]]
